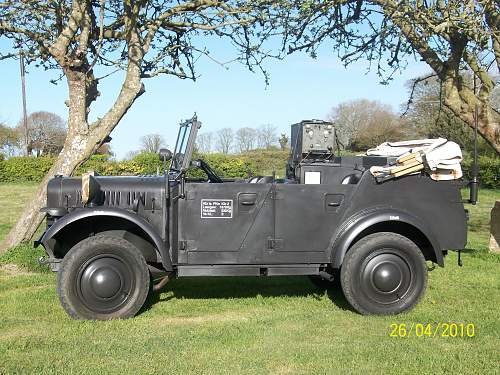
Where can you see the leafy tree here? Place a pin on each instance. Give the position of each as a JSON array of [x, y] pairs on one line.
[[452, 37], [9, 140], [104, 149], [142, 39], [283, 141]]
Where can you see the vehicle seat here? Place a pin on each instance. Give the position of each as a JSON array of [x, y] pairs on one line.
[[351, 179], [254, 180], [261, 180]]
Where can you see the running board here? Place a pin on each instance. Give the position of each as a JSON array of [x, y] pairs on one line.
[[248, 270]]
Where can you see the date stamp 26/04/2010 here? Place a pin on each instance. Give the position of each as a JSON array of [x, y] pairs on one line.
[[435, 329]]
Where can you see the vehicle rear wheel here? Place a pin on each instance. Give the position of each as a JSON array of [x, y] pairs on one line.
[[384, 273], [103, 277]]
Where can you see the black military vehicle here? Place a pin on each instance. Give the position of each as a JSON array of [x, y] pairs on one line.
[[114, 239]]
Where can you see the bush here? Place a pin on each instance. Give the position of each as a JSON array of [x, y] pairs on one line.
[[489, 171], [23, 169], [227, 166], [268, 161], [100, 164], [149, 163]]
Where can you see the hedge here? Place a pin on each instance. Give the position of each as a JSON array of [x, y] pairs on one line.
[[22, 169], [261, 162], [489, 171], [229, 166]]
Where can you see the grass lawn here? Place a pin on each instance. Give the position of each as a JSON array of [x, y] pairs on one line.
[[251, 325]]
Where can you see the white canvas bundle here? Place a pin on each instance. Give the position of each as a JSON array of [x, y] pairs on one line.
[[440, 157]]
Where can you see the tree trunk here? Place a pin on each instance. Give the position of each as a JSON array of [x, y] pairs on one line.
[[70, 158], [82, 139], [462, 103], [495, 228]]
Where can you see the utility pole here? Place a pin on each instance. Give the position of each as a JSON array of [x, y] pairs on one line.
[[25, 116]]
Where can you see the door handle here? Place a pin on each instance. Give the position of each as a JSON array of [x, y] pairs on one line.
[[333, 204], [247, 203]]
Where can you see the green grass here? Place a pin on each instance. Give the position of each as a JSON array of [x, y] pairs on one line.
[[13, 198], [251, 325]]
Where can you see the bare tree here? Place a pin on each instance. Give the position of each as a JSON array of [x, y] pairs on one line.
[[131, 154], [142, 38], [267, 136], [383, 125], [452, 37], [352, 117], [246, 139], [362, 123], [152, 143], [204, 142], [224, 140], [46, 133]]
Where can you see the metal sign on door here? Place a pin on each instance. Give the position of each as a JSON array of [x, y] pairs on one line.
[[216, 208]]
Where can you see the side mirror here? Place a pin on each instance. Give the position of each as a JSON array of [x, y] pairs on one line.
[[165, 154]]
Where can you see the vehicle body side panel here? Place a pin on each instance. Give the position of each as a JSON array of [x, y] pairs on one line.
[[433, 207]]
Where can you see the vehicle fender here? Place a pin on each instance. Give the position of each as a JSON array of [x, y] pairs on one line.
[[364, 220], [83, 213]]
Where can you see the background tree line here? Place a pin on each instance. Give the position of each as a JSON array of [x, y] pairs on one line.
[[361, 124], [228, 140]]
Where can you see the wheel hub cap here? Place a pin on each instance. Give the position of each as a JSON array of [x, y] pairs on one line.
[[386, 277], [104, 283]]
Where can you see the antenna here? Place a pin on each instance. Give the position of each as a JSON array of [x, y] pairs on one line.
[[23, 88], [474, 183]]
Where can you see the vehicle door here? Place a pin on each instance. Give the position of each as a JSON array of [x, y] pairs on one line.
[[225, 223]]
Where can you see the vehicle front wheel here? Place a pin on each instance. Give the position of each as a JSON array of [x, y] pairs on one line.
[[103, 277], [384, 273]]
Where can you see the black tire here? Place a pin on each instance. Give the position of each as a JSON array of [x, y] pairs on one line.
[[103, 277], [384, 273]]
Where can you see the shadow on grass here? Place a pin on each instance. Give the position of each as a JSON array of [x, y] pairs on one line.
[[243, 287]]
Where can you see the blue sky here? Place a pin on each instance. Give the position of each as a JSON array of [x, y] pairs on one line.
[[300, 88]]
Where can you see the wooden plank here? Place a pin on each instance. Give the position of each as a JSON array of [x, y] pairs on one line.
[[411, 156], [403, 172], [405, 166]]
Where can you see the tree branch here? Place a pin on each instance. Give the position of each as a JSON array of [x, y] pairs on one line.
[[412, 92]]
